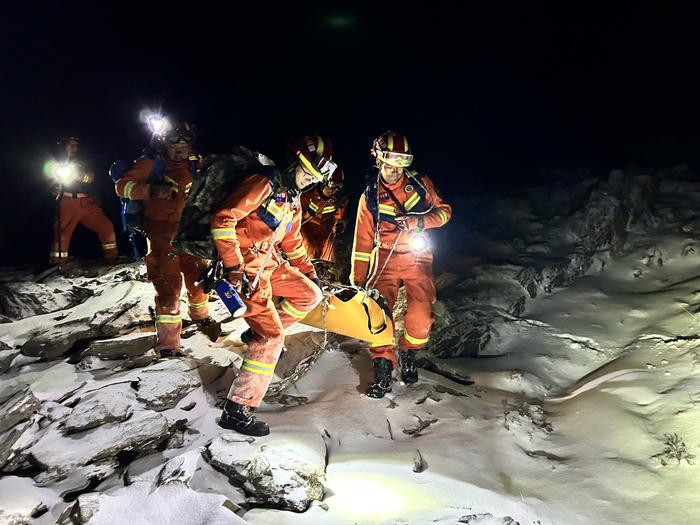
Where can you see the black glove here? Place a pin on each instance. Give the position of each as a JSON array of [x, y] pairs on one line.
[[339, 227], [238, 279]]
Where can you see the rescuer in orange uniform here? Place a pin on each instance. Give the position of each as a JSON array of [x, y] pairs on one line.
[[71, 184], [261, 217], [164, 197], [391, 248], [323, 212]]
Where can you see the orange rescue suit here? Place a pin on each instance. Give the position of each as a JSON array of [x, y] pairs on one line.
[[76, 206], [255, 219], [320, 214], [412, 269], [165, 264]]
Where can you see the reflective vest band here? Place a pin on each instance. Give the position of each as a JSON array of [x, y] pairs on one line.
[[412, 201], [443, 216], [109, 246], [362, 256], [387, 210], [328, 209]]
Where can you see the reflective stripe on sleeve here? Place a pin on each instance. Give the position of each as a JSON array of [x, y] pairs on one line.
[[128, 187]]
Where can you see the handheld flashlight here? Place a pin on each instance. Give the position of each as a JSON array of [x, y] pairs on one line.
[[418, 243], [65, 172]]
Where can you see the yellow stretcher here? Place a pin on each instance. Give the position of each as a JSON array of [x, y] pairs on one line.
[[355, 313]]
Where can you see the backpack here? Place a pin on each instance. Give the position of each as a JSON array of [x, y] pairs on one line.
[[210, 187], [132, 210]]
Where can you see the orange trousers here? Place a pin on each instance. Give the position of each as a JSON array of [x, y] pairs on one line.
[[319, 241], [74, 211], [268, 321], [415, 271], [166, 267]]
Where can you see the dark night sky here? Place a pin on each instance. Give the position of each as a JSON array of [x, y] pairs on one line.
[[488, 98]]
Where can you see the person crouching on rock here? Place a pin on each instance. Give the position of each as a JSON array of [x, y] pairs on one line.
[[262, 216]]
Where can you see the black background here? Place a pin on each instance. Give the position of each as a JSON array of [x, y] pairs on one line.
[[491, 99]]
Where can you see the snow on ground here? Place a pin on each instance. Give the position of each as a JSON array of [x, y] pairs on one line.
[[589, 415]]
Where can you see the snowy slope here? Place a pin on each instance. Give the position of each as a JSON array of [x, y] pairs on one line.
[[587, 413]]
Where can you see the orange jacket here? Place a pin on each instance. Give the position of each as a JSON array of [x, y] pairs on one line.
[[414, 192], [321, 210], [253, 220], [134, 185]]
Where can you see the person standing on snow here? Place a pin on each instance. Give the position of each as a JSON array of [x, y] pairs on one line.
[[164, 197], [323, 219], [262, 216], [71, 184], [395, 209]]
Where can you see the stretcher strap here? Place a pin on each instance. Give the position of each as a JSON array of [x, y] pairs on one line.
[[369, 321]]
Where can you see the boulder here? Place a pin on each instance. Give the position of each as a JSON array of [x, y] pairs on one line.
[[271, 475]]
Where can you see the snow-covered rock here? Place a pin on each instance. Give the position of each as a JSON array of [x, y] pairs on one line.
[[271, 474], [58, 455], [141, 503], [107, 405], [121, 347], [161, 385], [17, 406], [25, 299], [6, 358], [8, 440]]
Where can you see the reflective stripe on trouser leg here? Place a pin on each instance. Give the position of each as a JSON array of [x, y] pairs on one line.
[[255, 375], [168, 329], [192, 269], [93, 218], [420, 295]]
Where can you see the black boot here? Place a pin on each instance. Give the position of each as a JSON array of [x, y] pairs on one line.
[[409, 372], [238, 417], [210, 327], [167, 353], [382, 378], [247, 336]]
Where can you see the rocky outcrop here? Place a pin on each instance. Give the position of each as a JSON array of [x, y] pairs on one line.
[[565, 229], [25, 299], [121, 347], [271, 475]]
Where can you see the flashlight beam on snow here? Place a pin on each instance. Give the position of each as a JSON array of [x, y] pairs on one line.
[[363, 498]]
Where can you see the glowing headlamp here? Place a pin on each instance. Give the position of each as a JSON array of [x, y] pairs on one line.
[[157, 124], [418, 243]]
